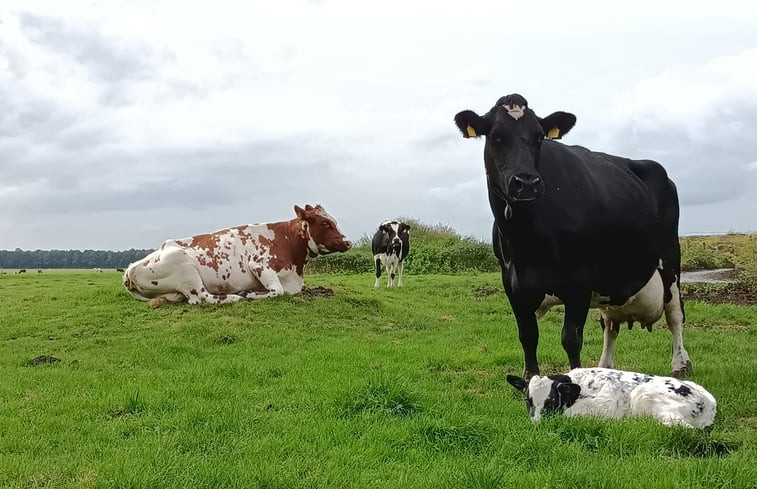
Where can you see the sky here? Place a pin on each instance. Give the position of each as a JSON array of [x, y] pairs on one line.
[[123, 124]]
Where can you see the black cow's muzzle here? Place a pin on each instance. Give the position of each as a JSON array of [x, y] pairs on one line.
[[523, 187]]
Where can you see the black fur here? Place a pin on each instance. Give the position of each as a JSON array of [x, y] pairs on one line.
[[569, 221]]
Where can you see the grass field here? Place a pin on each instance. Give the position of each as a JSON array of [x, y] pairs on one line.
[[366, 389]]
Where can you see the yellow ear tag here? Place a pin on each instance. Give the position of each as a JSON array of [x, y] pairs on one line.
[[553, 133], [471, 132]]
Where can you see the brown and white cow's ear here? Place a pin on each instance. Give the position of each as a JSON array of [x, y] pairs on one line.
[[299, 211], [471, 124], [517, 382], [308, 207], [557, 124]]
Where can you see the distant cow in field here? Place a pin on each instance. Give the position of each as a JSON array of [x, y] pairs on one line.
[[616, 394], [390, 246], [120, 270], [98, 270], [39, 270], [245, 262], [580, 228], [23, 270]]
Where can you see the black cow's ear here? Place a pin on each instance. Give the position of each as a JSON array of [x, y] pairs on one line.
[[568, 393], [517, 382], [471, 124], [557, 124]]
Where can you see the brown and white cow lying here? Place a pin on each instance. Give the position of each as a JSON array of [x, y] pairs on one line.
[[244, 262]]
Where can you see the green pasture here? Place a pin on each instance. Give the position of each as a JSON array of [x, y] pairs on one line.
[[369, 388]]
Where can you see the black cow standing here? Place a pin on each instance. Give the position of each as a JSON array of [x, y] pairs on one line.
[[580, 228], [390, 247]]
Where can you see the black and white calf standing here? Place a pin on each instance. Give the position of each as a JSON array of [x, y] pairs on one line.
[[390, 246], [616, 394], [578, 227]]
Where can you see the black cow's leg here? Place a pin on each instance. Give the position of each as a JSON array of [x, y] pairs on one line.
[[378, 271], [528, 334], [576, 310]]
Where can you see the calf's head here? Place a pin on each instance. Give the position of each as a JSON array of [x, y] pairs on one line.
[[395, 235], [321, 230], [514, 135], [544, 395]]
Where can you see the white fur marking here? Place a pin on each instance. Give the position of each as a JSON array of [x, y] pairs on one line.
[[515, 111]]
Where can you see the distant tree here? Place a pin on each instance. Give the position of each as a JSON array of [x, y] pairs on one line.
[[19, 258]]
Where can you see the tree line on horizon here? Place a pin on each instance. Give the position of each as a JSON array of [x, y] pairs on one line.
[[19, 258]]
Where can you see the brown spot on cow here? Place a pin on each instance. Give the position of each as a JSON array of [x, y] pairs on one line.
[[209, 244], [282, 254]]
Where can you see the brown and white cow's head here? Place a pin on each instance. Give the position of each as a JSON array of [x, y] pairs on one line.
[[321, 230], [514, 135]]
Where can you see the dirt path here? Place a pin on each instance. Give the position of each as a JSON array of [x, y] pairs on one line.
[[718, 276]]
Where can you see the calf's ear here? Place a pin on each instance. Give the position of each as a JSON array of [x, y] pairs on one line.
[[557, 124], [471, 124], [517, 382], [568, 393], [299, 211]]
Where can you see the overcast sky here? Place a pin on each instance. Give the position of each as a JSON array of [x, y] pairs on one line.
[[123, 124]]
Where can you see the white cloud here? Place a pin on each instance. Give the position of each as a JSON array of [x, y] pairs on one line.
[[146, 120]]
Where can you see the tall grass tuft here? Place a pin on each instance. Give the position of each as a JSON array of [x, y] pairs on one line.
[[381, 394]]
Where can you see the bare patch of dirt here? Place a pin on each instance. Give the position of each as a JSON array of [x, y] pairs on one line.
[[728, 275], [485, 291], [42, 360], [316, 292], [719, 275]]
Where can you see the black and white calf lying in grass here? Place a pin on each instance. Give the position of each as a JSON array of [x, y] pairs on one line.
[[615, 394]]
